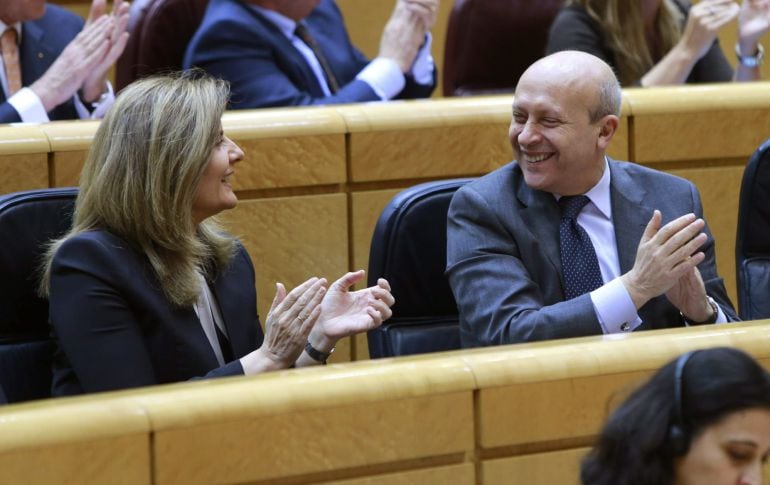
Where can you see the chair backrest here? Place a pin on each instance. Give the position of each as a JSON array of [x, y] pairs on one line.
[[28, 221], [160, 31], [752, 246], [490, 43], [409, 250]]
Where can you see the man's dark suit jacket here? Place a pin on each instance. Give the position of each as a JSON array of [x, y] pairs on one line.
[[503, 260], [115, 328], [264, 69], [42, 41]]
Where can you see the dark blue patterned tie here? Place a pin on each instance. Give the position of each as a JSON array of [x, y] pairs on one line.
[[580, 267]]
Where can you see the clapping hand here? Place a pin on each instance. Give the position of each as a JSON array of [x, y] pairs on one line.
[[290, 320], [753, 23], [345, 312], [704, 21]]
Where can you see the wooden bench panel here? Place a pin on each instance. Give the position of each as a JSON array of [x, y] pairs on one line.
[[291, 239]]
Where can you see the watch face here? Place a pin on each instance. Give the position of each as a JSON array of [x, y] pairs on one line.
[[750, 61]]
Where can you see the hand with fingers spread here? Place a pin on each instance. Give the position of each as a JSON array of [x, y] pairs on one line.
[[753, 23], [665, 255], [425, 10], [288, 325], [345, 312], [404, 33], [704, 21]]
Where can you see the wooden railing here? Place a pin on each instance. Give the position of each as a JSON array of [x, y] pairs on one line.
[[515, 414]]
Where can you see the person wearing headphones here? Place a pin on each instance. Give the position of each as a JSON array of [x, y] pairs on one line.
[[703, 418]]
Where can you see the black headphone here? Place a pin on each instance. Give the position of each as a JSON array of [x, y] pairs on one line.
[[678, 437]]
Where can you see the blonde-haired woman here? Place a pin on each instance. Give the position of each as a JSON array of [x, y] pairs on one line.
[[660, 42], [146, 288]]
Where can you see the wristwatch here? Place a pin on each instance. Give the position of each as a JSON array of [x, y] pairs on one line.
[[750, 61], [316, 354], [711, 319]]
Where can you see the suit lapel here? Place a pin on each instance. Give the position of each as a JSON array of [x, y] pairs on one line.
[[540, 214], [238, 335], [630, 214], [288, 52], [36, 57]]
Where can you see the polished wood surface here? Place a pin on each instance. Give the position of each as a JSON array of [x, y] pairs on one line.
[[524, 413]]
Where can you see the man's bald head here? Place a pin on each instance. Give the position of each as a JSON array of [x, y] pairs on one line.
[[565, 113], [585, 75]]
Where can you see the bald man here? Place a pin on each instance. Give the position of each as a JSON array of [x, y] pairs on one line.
[[526, 263]]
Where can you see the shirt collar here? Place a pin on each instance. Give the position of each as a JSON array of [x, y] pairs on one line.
[[284, 24], [599, 194], [16, 26]]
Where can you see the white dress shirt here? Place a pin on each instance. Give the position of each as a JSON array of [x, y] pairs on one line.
[[381, 74], [613, 305], [209, 315]]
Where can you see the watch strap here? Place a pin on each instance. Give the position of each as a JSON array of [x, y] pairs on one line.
[[750, 61], [316, 354]]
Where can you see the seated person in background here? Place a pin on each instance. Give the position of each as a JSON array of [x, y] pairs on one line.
[[659, 42], [146, 288], [702, 419], [565, 242], [54, 68], [297, 52]]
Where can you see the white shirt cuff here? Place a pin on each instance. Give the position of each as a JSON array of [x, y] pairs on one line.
[[384, 77], [721, 317], [99, 107], [423, 67], [614, 308], [29, 106]]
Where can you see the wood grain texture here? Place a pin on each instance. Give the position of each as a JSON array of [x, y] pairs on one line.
[[25, 171], [122, 460], [463, 474], [562, 467], [67, 166], [291, 239], [315, 441], [290, 162]]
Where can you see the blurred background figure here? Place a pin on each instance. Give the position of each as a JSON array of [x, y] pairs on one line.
[[297, 52], [53, 67], [659, 42], [703, 419]]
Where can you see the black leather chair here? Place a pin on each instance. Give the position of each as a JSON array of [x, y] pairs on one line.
[[409, 250], [28, 221], [752, 247], [489, 43]]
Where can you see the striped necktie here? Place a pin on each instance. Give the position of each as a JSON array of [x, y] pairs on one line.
[[10, 52], [304, 35]]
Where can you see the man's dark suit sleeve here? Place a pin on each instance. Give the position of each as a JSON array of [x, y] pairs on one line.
[[265, 70], [230, 51], [8, 114], [499, 302]]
